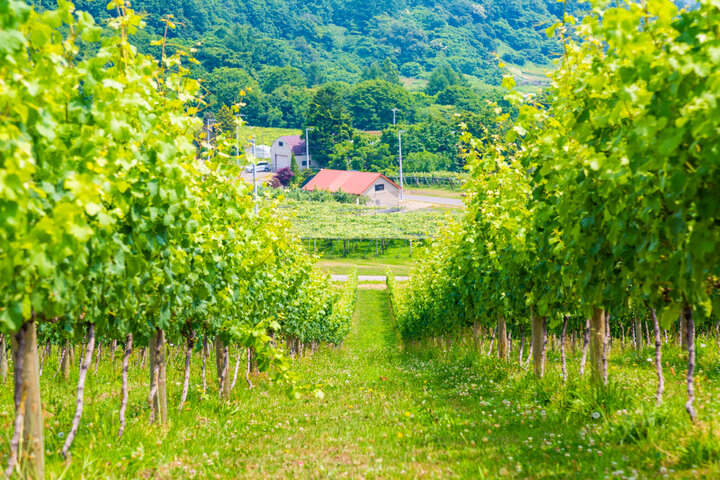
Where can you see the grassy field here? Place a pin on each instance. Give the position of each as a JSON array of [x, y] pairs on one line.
[[414, 84], [332, 220], [367, 266], [397, 257], [392, 412], [264, 135], [435, 192]]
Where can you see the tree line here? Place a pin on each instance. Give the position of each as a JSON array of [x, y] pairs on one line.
[[353, 124]]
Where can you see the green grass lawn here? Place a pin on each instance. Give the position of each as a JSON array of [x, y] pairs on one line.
[[264, 135], [397, 257], [435, 191], [422, 411], [367, 266]]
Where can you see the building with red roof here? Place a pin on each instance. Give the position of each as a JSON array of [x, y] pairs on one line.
[[375, 186]]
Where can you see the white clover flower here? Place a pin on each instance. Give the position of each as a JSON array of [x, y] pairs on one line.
[[596, 415]]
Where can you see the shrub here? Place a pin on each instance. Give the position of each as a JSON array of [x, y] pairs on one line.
[[284, 176], [411, 69]]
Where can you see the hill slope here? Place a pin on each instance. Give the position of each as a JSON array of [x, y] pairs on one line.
[[335, 39]]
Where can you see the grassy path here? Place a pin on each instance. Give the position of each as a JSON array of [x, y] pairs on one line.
[[388, 413]]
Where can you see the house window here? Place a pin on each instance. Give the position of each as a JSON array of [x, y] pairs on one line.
[[379, 187], [304, 163], [281, 144]]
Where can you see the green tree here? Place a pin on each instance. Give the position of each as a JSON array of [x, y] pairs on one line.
[[273, 78], [443, 77], [225, 120], [294, 167], [371, 102], [365, 153], [225, 85], [462, 97], [411, 69], [387, 72], [259, 111], [292, 103], [330, 120]]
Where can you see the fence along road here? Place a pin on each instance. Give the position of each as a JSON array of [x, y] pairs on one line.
[[455, 202], [367, 278]]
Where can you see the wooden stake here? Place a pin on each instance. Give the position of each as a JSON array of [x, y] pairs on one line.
[[84, 366], [125, 366]]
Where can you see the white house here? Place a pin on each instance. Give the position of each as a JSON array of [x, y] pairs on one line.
[[377, 187], [262, 152], [283, 149]]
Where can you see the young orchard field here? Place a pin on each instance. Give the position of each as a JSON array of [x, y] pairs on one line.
[[331, 220]]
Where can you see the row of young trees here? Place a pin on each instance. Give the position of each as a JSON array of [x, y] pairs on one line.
[[600, 205], [112, 227]]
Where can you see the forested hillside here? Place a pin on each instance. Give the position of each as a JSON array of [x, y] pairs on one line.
[[335, 39], [287, 62]]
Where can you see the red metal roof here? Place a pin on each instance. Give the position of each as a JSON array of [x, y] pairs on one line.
[[349, 182]]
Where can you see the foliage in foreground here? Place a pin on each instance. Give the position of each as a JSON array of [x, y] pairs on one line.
[[113, 229], [597, 208]]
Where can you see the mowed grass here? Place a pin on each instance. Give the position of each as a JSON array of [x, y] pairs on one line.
[[424, 411], [367, 266], [446, 192]]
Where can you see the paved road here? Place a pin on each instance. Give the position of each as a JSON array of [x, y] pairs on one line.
[[455, 202], [261, 176], [366, 278]]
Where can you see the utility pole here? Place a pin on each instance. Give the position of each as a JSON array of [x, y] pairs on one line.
[[208, 126], [237, 139], [254, 177], [394, 110], [400, 132], [307, 145]]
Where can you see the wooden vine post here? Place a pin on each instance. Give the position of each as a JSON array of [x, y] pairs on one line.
[[502, 338], [65, 367], [3, 360], [222, 364], [598, 359], [537, 324], [689, 339], [158, 384], [84, 366], [28, 407]]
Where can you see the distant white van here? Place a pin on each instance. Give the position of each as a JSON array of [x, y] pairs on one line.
[[260, 167]]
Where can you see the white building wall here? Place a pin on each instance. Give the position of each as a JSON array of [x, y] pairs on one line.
[[281, 156], [389, 196]]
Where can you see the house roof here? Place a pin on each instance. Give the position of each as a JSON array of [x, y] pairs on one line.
[[296, 144], [349, 182]]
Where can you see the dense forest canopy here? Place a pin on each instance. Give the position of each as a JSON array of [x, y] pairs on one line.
[[436, 61], [335, 39]]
